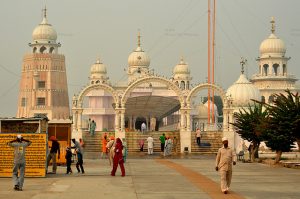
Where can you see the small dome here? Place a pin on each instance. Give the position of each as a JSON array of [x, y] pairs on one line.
[[211, 107], [44, 32], [272, 45], [202, 111], [98, 67], [181, 68], [138, 58], [242, 91]]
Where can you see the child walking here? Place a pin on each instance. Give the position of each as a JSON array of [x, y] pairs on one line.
[[69, 160]]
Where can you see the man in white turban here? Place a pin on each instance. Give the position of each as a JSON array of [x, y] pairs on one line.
[[225, 158]]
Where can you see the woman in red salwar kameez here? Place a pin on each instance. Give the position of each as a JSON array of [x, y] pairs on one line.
[[118, 158]]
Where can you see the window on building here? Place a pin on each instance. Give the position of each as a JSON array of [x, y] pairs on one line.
[[23, 101], [41, 84], [41, 101]]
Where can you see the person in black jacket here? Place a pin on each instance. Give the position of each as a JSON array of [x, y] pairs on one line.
[[55, 149], [69, 160]]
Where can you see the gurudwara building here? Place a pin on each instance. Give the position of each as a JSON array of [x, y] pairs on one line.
[[163, 103], [170, 103]]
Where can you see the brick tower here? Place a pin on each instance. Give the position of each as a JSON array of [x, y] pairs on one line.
[[43, 85]]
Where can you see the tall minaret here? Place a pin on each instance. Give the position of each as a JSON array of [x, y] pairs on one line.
[[273, 76], [43, 86]]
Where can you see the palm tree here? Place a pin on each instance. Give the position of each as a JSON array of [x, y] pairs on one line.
[[249, 125]]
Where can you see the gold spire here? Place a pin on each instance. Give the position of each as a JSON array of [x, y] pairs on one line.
[[243, 62], [139, 39], [45, 12], [272, 25]]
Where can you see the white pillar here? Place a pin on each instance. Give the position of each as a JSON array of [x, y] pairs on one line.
[[182, 124], [117, 127], [79, 119], [188, 120]]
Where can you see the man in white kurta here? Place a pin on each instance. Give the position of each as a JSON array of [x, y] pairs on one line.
[[150, 145], [225, 158]]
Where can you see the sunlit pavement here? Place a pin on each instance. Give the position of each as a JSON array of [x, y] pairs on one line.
[[186, 176]]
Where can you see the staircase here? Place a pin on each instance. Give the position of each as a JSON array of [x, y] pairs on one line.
[[214, 138], [133, 138], [93, 144]]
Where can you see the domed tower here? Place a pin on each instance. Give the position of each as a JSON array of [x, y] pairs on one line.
[[272, 76], [98, 73], [138, 62], [243, 91], [43, 87], [181, 75]]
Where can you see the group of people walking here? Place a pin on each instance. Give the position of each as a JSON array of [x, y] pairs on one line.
[[226, 157]]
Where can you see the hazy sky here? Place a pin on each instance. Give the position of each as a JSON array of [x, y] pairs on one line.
[[169, 28]]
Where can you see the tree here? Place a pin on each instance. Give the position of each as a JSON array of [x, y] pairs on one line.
[[283, 123], [249, 125]]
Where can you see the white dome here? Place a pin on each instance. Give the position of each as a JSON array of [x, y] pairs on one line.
[[242, 91], [181, 68], [138, 58], [98, 67], [272, 45], [202, 111], [44, 32]]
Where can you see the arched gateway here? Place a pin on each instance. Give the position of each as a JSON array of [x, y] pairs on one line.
[[120, 100]]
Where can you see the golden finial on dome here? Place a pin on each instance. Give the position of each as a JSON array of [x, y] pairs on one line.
[[272, 25], [243, 62], [45, 12], [139, 38]]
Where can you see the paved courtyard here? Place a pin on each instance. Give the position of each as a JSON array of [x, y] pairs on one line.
[[188, 177]]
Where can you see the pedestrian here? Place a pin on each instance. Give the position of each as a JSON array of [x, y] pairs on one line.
[[141, 144], [150, 145], [81, 142], [198, 137], [110, 149], [143, 127], [20, 145], [225, 158], [125, 150], [69, 160], [175, 143], [79, 152], [55, 149], [104, 143], [118, 158], [93, 127], [162, 140], [89, 125], [168, 147]]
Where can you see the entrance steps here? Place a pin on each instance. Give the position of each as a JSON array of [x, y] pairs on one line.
[[93, 144]]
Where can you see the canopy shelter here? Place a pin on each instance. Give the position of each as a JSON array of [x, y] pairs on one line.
[[154, 106]]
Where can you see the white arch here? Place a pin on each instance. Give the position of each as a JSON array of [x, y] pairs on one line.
[[91, 87], [200, 87], [150, 79]]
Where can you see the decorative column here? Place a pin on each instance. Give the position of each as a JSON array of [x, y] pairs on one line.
[[79, 119], [122, 120], [74, 118], [117, 126], [188, 120], [182, 123]]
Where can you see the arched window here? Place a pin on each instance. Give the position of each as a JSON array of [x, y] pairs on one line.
[[182, 85], [275, 69], [263, 99], [271, 99], [51, 50], [266, 68], [42, 49], [34, 50], [188, 85], [284, 71]]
